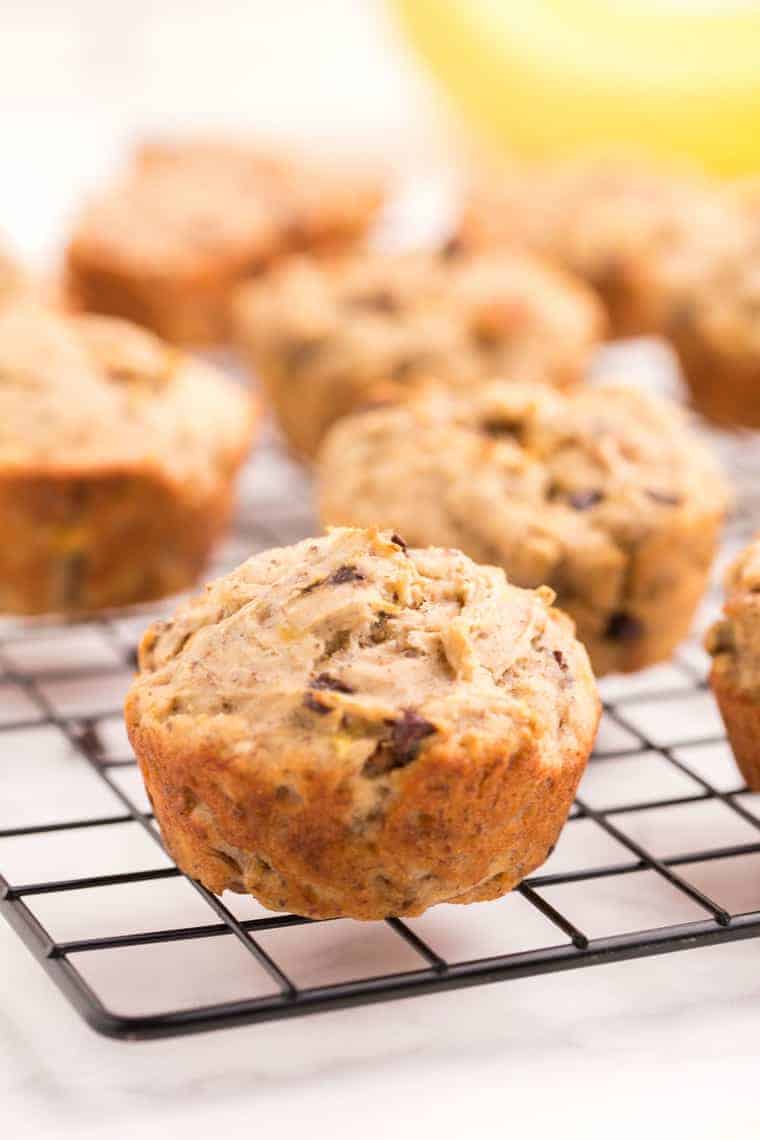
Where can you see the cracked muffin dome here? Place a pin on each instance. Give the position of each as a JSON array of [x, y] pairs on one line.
[[352, 727], [602, 493], [167, 243], [323, 336], [734, 644], [117, 462]]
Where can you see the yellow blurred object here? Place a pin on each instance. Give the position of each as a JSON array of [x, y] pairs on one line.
[[550, 78]]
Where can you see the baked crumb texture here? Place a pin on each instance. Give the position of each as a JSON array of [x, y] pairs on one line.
[[734, 643], [326, 338], [117, 462], [602, 493], [353, 727], [669, 253], [166, 245]]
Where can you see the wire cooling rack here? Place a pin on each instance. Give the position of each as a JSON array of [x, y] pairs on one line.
[[661, 853]]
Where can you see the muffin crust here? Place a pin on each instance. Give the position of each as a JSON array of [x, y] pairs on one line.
[[353, 727], [734, 643]]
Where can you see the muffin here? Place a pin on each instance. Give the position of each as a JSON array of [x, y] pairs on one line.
[[317, 205], [606, 220], [706, 297], [602, 493], [325, 337], [169, 242], [734, 643], [117, 461], [352, 727]]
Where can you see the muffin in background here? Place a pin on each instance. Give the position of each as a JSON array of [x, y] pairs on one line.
[[325, 337], [610, 220], [602, 493], [734, 644], [705, 291], [169, 241], [13, 281], [668, 252], [118, 457]]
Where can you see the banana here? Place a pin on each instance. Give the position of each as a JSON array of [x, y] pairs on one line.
[[547, 78]]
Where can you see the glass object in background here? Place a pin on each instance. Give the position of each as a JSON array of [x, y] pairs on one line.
[[679, 78]]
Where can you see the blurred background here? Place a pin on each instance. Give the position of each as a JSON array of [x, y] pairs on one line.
[[80, 79]]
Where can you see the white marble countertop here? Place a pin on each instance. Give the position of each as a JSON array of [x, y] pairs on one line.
[[665, 1045]]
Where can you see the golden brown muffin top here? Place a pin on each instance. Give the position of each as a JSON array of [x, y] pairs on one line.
[[96, 393], [397, 317], [689, 249], [12, 280], [184, 205], [557, 486], [352, 649]]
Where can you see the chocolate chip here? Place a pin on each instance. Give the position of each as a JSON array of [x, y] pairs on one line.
[[298, 353], [336, 642], [311, 702], [582, 500], [325, 681], [378, 301], [406, 368], [345, 574], [664, 497], [314, 585], [559, 657], [623, 627], [338, 578], [397, 540], [499, 429], [453, 248], [401, 746]]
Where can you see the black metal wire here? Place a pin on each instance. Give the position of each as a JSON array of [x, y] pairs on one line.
[[575, 947]]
